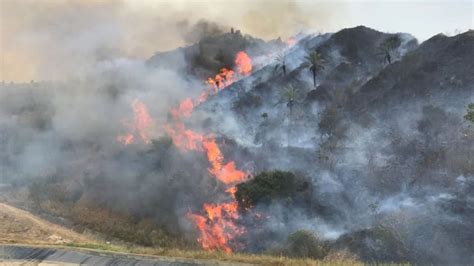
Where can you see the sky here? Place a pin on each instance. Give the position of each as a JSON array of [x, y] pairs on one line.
[[56, 39]]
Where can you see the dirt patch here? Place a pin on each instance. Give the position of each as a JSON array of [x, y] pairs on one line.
[[19, 226]]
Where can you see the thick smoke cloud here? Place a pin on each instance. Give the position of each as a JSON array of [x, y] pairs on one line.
[[37, 36], [53, 40]]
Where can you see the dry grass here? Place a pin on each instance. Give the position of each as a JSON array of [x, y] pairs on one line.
[[244, 258], [20, 227]]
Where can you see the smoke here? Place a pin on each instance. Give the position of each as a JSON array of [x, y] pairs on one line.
[[202, 29], [54, 40], [37, 36], [94, 51]]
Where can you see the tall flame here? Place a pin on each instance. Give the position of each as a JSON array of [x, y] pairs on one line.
[[140, 127], [226, 173], [217, 225], [243, 63], [143, 121], [217, 222]]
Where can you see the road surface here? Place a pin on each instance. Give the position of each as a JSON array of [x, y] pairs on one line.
[[29, 255]]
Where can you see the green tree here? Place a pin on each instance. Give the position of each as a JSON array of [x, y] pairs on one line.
[[281, 59], [470, 113], [314, 62], [290, 97]]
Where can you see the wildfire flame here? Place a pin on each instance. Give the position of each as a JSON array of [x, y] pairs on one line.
[[225, 77], [141, 126], [226, 173], [216, 224], [126, 139], [184, 109], [243, 63], [221, 80]]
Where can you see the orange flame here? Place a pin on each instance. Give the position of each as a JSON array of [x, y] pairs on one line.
[[243, 66], [216, 225], [143, 121], [221, 80], [183, 138], [243, 63], [184, 110], [227, 173], [126, 139], [141, 126]]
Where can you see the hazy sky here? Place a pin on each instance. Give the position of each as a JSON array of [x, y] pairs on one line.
[[53, 39]]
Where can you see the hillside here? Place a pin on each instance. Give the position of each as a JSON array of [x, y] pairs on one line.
[[391, 136], [368, 158]]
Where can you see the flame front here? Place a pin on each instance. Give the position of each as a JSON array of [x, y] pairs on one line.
[[217, 222], [225, 77]]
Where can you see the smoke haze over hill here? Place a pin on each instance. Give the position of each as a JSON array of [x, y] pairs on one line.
[[57, 39], [181, 125]]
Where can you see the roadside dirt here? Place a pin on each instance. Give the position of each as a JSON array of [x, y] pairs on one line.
[[19, 226]]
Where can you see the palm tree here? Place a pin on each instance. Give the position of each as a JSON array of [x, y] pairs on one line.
[[281, 59], [290, 97], [315, 62]]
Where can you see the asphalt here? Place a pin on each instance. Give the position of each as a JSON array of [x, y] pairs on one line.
[[11, 254]]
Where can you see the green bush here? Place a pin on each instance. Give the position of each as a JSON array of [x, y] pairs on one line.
[[268, 186], [378, 244], [470, 113], [305, 244]]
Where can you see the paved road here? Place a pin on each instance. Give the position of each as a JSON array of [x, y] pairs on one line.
[[19, 255]]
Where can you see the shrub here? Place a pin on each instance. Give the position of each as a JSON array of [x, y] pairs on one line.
[[305, 244], [378, 244], [470, 113], [268, 186]]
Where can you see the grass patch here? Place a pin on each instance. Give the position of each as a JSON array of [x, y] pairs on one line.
[[215, 256]]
